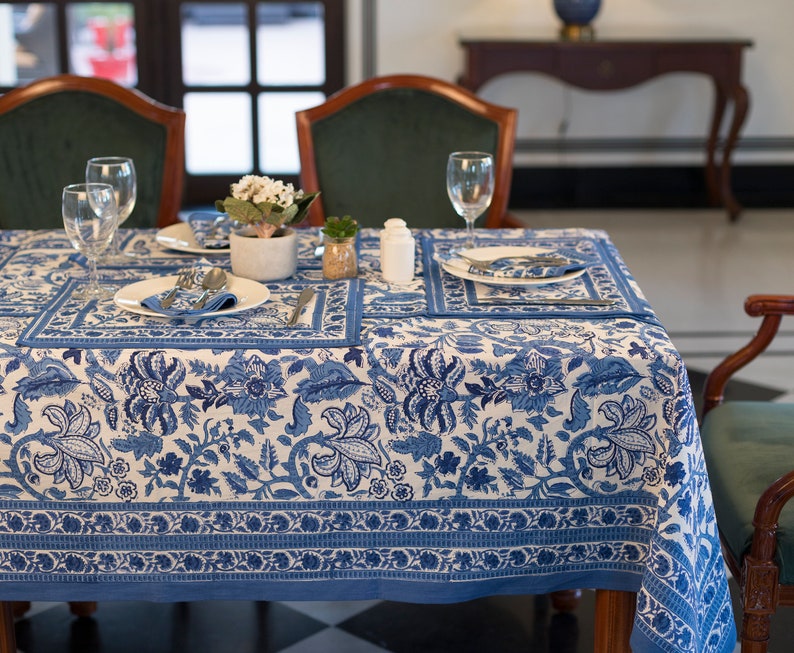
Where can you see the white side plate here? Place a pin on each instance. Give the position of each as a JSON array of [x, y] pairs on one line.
[[489, 253]]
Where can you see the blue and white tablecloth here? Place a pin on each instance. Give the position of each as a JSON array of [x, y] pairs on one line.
[[440, 458]]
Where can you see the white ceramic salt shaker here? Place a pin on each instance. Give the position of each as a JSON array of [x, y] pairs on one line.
[[397, 252], [391, 223]]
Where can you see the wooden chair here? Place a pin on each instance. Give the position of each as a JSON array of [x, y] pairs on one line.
[[51, 127], [379, 149], [749, 448]]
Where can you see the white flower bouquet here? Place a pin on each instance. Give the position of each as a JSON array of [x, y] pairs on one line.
[[266, 204]]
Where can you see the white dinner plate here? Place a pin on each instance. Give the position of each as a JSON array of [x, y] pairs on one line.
[[180, 237], [488, 253], [249, 294]]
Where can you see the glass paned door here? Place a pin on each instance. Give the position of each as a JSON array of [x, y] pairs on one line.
[[28, 42], [101, 38], [92, 39], [247, 67], [296, 30]]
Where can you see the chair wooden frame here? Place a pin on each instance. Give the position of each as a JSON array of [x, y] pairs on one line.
[[505, 118], [758, 573], [171, 118]]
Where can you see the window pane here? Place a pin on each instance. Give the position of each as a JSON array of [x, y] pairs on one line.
[[278, 139], [102, 41], [218, 133], [215, 44], [28, 42], [290, 40]]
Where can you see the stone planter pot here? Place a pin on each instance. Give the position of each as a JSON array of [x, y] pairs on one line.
[[264, 259]]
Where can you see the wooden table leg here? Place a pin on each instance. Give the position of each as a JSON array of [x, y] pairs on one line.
[[614, 619], [566, 600], [8, 640], [82, 608]]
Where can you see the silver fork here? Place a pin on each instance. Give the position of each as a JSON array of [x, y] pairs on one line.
[[183, 281], [541, 261]]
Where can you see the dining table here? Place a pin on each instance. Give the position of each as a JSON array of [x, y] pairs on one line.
[[451, 437]]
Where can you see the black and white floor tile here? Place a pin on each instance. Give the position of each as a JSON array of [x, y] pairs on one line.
[[696, 269], [505, 624]]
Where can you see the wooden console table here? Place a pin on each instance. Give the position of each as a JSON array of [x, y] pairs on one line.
[[613, 64]]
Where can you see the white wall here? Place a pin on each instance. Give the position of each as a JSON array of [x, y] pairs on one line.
[[8, 71], [421, 36]]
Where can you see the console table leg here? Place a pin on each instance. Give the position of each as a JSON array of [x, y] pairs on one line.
[[741, 103], [712, 182], [614, 619], [8, 640]]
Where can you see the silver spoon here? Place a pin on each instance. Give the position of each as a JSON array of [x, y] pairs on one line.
[[214, 280]]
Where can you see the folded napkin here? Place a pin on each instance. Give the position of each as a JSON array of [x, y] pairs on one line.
[[211, 230], [510, 268], [185, 298]]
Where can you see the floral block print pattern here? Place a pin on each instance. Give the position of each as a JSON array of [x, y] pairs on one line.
[[439, 459]]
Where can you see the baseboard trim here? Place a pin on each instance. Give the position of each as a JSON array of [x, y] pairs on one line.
[[755, 186]]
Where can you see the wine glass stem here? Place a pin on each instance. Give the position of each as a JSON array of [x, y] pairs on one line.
[[114, 249], [93, 275], [470, 230]]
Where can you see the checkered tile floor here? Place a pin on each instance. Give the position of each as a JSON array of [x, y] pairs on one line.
[[504, 624]]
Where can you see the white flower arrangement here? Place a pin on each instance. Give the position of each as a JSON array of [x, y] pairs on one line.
[[266, 204]]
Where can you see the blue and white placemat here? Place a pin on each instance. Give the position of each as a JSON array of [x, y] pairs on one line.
[[605, 278], [381, 299], [389, 300], [333, 319]]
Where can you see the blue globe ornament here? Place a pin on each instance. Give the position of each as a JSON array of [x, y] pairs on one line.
[[576, 15]]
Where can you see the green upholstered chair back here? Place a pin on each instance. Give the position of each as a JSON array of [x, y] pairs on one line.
[[50, 129], [380, 150]]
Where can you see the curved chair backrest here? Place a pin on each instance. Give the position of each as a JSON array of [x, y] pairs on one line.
[[50, 128], [379, 149]]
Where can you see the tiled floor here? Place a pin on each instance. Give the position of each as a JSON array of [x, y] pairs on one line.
[[696, 269]]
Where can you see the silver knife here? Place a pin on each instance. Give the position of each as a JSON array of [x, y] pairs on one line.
[[304, 298], [550, 301]]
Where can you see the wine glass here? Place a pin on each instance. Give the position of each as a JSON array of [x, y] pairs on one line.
[[470, 181], [119, 172], [89, 217]]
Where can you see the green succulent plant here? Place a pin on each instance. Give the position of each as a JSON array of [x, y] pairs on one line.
[[345, 227]]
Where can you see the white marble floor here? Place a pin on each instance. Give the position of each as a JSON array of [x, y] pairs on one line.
[[696, 268]]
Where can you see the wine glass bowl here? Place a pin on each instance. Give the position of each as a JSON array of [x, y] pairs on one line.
[[89, 218], [119, 172], [470, 186]]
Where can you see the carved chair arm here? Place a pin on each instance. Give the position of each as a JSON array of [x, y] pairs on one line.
[[767, 513], [772, 308]]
